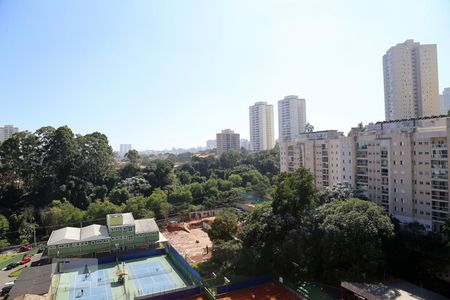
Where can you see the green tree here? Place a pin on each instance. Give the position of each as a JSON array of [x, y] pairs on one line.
[[97, 210], [224, 226], [61, 214], [119, 195], [157, 202], [138, 206], [295, 193], [4, 228], [132, 156], [352, 234]]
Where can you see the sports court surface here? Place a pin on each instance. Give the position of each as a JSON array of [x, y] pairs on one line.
[[145, 276]]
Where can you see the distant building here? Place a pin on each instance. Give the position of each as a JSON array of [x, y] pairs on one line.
[[245, 144], [261, 126], [7, 131], [400, 165], [291, 117], [411, 86], [211, 144], [327, 154], [122, 232], [445, 101], [227, 140], [124, 148]]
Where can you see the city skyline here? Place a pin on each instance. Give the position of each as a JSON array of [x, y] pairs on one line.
[[127, 71]]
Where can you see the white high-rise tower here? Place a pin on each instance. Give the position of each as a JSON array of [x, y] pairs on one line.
[[261, 126], [291, 117]]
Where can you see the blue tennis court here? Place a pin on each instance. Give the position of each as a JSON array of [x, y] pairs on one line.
[[152, 277], [95, 285]]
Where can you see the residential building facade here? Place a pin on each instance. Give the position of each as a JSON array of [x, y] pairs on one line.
[[401, 165], [245, 144], [445, 101], [7, 131], [122, 232], [291, 117], [411, 86], [227, 140], [261, 126], [329, 155]]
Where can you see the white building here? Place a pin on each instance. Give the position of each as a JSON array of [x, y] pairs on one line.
[[291, 117], [7, 131], [124, 148], [261, 126], [411, 86], [445, 101]]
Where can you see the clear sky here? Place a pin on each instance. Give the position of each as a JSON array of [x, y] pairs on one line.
[[161, 74]]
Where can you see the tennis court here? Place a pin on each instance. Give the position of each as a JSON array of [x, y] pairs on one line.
[[91, 286], [146, 276], [153, 275]]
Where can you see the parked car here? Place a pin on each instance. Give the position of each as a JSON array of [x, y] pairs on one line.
[[8, 286], [25, 248], [11, 266], [25, 260]]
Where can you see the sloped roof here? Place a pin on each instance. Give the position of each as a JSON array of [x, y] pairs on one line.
[[64, 235], [145, 226], [68, 235], [94, 232]]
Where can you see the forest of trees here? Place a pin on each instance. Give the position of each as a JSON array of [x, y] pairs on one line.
[[53, 178]]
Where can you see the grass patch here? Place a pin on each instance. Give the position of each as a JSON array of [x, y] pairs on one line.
[[16, 272], [6, 257]]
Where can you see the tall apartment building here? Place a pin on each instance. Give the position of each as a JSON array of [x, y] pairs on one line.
[[291, 117], [411, 86], [401, 165], [445, 101], [7, 131], [261, 126], [327, 154], [124, 148], [227, 140]]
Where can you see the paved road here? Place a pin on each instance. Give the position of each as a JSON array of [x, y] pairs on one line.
[[4, 274]]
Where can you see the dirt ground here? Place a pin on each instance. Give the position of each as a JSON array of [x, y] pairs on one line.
[[191, 245]]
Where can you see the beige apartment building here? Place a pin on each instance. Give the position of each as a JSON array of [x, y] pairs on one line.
[[227, 140], [411, 85], [327, 154], [400, 165], [261, 126]]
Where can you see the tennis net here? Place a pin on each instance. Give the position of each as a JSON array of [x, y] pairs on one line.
[[149, 272]]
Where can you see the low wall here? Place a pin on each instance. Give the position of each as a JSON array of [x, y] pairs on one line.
[[243, 284], [182, 265], [131, 255]]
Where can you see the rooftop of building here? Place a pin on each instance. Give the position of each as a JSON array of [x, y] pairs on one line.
[[392, 289], [73, 234], [127, 219], [146, 225]]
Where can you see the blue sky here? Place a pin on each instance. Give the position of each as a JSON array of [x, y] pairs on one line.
[[161, 74]]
